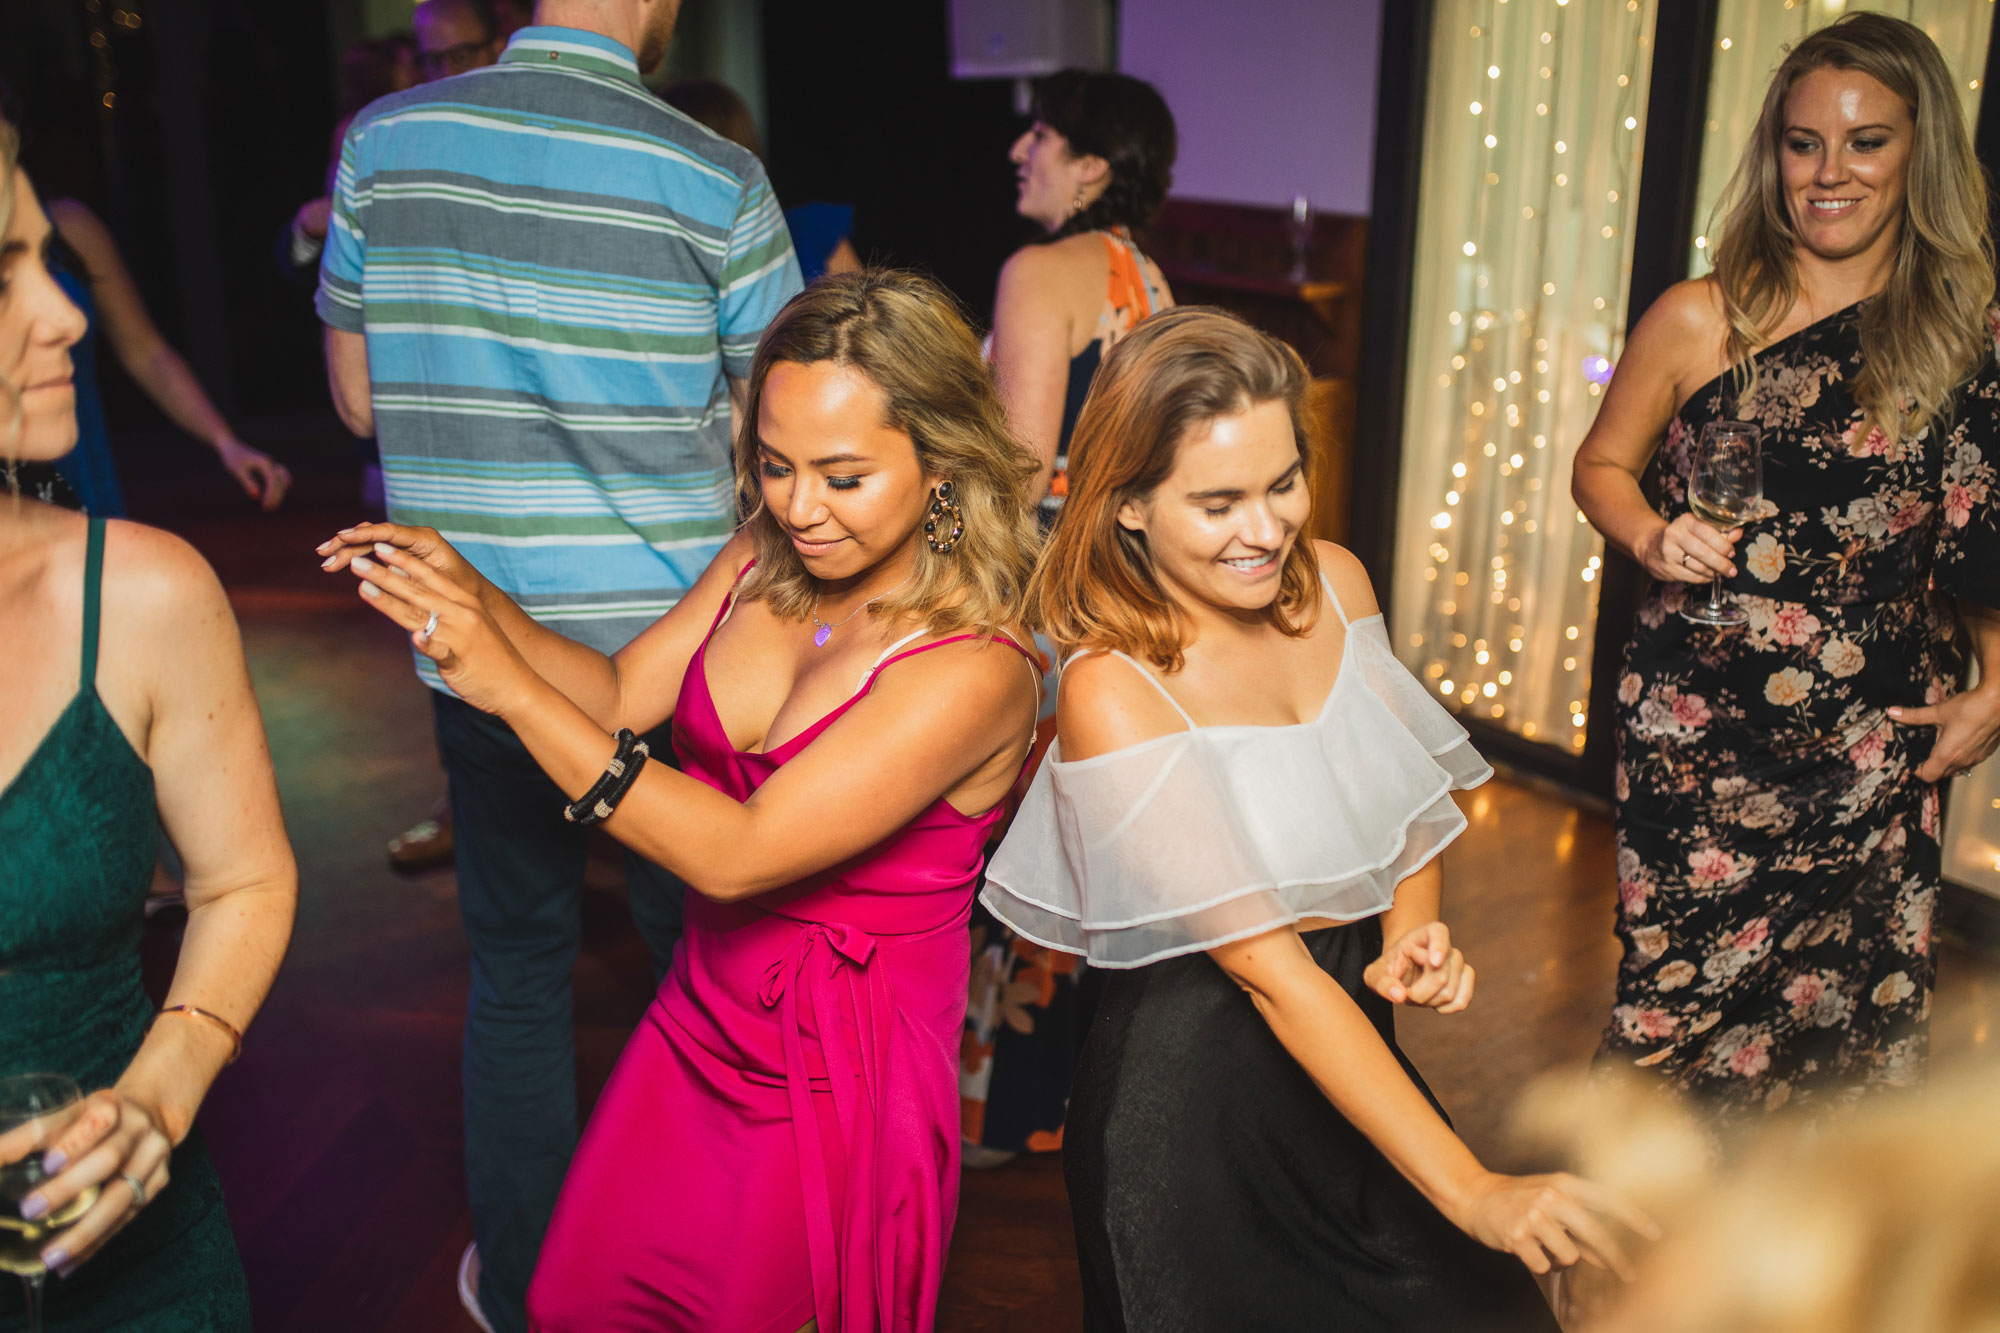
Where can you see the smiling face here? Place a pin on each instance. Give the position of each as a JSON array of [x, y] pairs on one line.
[[38, 326], [843, 485], [1047, 176], [1220, 527], [1845, 155]]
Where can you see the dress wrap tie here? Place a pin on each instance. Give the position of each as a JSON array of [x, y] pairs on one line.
[[852, 1287]]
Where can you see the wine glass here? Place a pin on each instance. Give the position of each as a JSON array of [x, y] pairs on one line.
[[47, 1102], [1725, 486]]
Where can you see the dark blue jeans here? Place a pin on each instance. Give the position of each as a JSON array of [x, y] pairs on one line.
[[520, 890]]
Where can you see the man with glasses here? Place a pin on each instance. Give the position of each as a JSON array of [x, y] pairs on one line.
[[454, 36]]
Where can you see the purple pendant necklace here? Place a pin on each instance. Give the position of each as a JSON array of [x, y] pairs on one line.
[[823, 631]]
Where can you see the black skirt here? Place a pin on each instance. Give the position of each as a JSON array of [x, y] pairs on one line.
[[1215, 1187]]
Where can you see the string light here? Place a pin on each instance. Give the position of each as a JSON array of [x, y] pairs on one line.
[[1535, 308]]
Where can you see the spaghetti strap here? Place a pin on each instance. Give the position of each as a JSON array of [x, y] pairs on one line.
[[93, 576], [888, 656], [1333, 596], [1175, 703], [887, 660], [728, 602]]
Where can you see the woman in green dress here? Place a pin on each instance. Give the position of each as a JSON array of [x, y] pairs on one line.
[[132, 710]]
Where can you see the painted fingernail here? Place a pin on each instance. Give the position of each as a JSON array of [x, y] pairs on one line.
[[370, 591], [384, 549], [54, 1160], [362, 562], [33, 1207], [55, 1258], [326, 563]]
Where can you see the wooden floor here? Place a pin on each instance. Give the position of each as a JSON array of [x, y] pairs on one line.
[[337, 1134]]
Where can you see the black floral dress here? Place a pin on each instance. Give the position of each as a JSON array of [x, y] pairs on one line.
[[1778, 858]]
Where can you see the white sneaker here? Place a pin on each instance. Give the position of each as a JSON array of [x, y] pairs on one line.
[[468, 1287]]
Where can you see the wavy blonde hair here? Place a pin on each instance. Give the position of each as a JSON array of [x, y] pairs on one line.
[[1095, 586], [1926, 331], [912, 342]]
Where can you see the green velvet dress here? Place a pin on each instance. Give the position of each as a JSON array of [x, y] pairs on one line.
[[78, 834]]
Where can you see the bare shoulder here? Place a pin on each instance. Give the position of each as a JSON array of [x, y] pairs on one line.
[[976, 694], [1351, 584], [1686, 324], [161, 587], [1053, 265], [1106, 703]]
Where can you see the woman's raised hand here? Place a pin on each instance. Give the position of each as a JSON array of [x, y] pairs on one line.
[[1688, 550], [423, 543], [448, 622], [1422, 969], [1553, 1221]]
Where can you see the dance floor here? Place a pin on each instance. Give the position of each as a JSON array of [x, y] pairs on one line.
[[337, 1134]]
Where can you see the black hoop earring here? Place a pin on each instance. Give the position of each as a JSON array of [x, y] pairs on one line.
[[945, 522]]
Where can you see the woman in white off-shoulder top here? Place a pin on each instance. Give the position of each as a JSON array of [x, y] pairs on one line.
[[1244, 771]]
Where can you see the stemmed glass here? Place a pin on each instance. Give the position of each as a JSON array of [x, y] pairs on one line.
[[46, 1102], [1725, 486]]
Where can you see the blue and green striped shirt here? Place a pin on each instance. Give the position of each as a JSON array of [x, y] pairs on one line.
[[555, 272]]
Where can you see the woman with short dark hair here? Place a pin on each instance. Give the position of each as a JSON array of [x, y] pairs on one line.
[[1093, 170]]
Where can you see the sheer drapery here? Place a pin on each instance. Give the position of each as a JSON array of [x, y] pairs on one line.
[[1533, 131], [1751, 39]]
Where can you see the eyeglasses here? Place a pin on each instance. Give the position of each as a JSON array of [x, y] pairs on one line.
[[454, 59]]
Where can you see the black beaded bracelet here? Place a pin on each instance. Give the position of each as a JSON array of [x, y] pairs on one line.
[[610, 787]]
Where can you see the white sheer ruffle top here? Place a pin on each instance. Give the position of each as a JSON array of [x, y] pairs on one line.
[[1212, 834]]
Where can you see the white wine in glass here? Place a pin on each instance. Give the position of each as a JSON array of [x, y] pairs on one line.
[[47, 1102], [1725, 486]]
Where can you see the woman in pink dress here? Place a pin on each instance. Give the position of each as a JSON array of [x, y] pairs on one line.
[[778, 1147]]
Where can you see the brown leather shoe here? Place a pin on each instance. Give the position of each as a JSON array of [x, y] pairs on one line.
[[425, 846]]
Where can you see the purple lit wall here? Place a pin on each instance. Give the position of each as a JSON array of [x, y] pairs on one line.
[[1274, 98]]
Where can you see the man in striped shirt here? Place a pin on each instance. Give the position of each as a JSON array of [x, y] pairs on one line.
[[542, 288]]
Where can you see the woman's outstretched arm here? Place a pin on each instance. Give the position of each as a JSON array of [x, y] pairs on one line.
[[955, 720], [635, 687]]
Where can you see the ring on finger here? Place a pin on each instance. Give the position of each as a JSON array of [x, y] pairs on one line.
[[138, 1188], [430, 626]]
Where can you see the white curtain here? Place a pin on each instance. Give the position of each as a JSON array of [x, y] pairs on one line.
[[1533, 129], [1751, 39]]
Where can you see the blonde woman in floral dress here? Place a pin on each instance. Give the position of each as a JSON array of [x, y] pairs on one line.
[[1778, 852]]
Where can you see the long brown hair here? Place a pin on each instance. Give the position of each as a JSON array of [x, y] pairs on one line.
[[1095, 586], [1926, 331], [909, 338]]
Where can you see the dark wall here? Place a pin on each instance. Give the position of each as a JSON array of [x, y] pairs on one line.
[[218, 131], [863, 110]]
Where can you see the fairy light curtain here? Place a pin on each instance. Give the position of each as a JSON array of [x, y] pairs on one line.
[[1751, 38], [1531, 155]]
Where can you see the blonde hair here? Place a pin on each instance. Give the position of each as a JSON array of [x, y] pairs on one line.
[[1881, 1217], [1095, 586], [908, 337], [1925, 333]]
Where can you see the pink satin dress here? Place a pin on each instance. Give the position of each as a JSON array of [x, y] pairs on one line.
[[779, 1141]]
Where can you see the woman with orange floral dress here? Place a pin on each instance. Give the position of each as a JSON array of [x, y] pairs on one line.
[[1778, 854], [1092, 169]]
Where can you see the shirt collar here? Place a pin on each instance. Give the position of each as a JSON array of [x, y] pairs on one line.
[[577, 48]]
